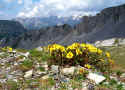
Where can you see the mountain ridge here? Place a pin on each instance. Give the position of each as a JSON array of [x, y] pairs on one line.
[[36, 23], [109, 23]]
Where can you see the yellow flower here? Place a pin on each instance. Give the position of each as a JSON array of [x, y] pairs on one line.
[[69, 55], [99, 51], [87, 66], [111, 62], [81, 70], [108, 54], [83, 45], [62, 49], [78, 52], [10, 49]]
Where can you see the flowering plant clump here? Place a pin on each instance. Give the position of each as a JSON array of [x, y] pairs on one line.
[[85, 55], [6, 49]]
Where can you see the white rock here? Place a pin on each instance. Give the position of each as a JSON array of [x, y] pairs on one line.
[[39, 49], [25, 54], [68, 71], [45, 77], [96, 78], [115, 78], [3, 80], [15, 63], [55, 69], [28, 74], [45, 66], [123, 75], [85, 88], [15, 80], [84, 84], [40, 73]]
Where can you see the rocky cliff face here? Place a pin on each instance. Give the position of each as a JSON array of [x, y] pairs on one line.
[[109, 23]]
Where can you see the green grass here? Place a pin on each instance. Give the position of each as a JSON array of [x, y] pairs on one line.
[[118, 54]]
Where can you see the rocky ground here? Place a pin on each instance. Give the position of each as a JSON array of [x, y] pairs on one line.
[[21, 70]]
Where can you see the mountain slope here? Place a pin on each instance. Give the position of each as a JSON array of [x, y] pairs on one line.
[[9, 29]]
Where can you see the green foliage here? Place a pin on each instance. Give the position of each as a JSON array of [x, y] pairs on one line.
[[41, 68], [12, 85], [51, 81], [112, 82], [26, 65], [119, 73], [35, 53], [120, 87], [39, 55], [4, 55], [45, 56], [21, 50]]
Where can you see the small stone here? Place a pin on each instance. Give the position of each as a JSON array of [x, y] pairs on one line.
[[39, 49], [115, 78], [15, 63], [123, 75], [67, 71], [15, 80], [28, 74], [45, 66], [55, 69], [10, 76], [85, 88], [25, 54], [53, 88], [3, 80], [84, 84], [45, 77]]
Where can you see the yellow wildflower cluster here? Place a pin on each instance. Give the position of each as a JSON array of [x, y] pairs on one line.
[[87, 66], [55, 47], [93, 49], [83, 54]]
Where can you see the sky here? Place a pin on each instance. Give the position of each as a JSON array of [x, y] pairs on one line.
[[10, 9]]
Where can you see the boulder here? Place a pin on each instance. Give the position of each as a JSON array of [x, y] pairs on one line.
[[96, 78]]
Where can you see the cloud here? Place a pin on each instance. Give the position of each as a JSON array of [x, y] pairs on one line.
[[65, 7], [20, 1]]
